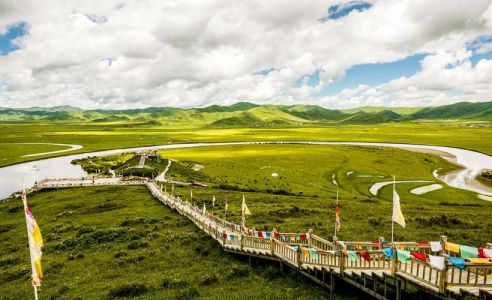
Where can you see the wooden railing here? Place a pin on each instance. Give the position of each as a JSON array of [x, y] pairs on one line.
[[471, 275], [320, 243], [377, 261], [412, 246], [256, 243], [361, 246], [286, 252], [325, 258], [288, 247], [423, 272]]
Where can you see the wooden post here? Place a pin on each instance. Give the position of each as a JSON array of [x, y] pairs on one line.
[[335, 242], [444, 240], [398, 288], [299, 257], [443, 280], [310, 234], [342, 263], [271, 246], [381, 242], [394, 262]]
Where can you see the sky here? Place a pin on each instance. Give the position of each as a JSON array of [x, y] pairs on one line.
[[336, 54]]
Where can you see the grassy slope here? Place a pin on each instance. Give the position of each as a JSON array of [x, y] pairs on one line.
[[100, 136], [89, 222], [309, 169], [11, 153], [376, 109]]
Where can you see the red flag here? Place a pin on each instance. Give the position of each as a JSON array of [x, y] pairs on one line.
[[365, 255], [419, 256]]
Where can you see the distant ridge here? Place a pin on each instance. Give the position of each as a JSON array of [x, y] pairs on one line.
[[246, 114]]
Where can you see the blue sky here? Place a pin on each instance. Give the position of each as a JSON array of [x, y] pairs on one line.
[[341, 10], [367, 74], [6, 40]]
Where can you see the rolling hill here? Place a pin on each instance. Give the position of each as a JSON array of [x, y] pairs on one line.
[[245, 114]]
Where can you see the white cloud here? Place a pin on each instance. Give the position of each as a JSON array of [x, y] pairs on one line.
[[181, 53]]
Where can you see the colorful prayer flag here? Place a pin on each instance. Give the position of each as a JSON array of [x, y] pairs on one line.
[[337, 217], [458, 262], [452, 247], [468, 252], [419, 256], [35, 243], [435, 246], [388, 252], [403, 256], [437, 262], [352, 255]]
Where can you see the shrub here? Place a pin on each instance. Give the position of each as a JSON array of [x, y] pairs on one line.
[[120, 254], [191, 293], [169, 283], [8, 261], [18, 274], [129, 290], [238, 272], [137, 244], [210, 280]]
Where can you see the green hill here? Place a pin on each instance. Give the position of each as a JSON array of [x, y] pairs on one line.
[[377, 109], [251, 115], [462, 110], [366, 118]]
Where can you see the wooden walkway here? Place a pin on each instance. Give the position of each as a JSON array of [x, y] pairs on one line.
[[380, 277]]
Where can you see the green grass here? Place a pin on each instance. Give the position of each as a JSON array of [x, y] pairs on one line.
[[97, 240], [102, 136], [361, 219], [309, 169], [11, 153]]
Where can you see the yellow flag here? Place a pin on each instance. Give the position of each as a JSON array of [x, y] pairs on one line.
[[35, 243], [397, 214], [245, 209]]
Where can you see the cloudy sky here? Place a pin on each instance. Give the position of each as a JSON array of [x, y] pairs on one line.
[[337, 54]]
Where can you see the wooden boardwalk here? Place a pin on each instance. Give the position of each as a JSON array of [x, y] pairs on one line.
[[380, 277]]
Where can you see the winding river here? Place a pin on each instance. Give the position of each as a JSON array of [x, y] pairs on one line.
[[11, 177]]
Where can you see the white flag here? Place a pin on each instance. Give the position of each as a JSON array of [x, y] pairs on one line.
[[244, 208], [397, 214], [204, 208]]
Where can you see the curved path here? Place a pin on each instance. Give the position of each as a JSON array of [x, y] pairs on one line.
[[379, 185], [71, 147], [10, 176]]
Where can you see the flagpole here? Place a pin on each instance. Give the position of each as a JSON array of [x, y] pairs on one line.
[[393, 221], [336, 215], [35, 292]]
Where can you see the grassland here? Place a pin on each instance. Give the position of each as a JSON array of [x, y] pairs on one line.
[[95, 136], [308, 170], [15, 152], [107, 241]]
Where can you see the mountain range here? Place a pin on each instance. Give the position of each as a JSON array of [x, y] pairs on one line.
[[245, 114]]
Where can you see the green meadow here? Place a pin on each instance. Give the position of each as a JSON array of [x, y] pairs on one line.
[[94, 136], [114, 242]]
